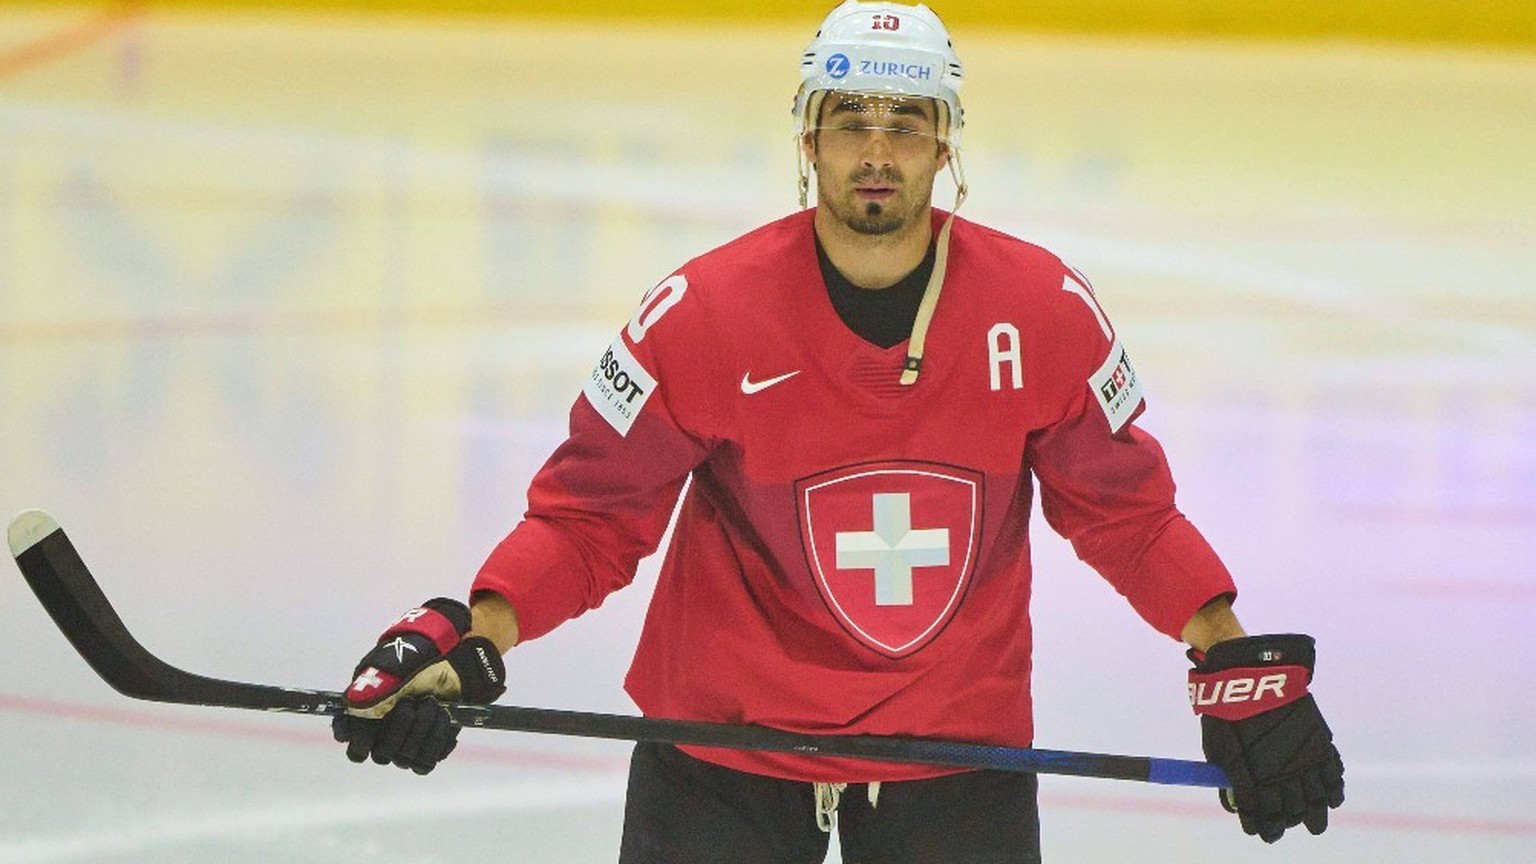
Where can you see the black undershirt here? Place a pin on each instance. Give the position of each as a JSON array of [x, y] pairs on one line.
[[883, 316]]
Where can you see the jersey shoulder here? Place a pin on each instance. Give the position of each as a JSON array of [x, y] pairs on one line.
[[751, 281], [704, 308], [763, 251], [1050, 302], [1005, 262]]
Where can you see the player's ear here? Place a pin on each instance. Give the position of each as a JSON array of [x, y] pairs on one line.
[[808, 147]]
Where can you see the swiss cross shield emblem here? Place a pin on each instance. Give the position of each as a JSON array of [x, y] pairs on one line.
[[892, 546]]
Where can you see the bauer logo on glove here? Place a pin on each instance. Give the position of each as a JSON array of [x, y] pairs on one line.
[[1236, 694]]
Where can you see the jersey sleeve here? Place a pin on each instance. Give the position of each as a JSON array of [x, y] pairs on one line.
[[602, 501], [1105, 484]]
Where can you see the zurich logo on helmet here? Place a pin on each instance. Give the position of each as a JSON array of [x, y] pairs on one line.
[[838, 66]]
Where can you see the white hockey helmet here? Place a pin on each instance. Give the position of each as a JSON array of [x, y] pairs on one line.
[[891, 49]]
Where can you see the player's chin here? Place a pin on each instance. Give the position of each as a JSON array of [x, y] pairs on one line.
[[876, 224], [879, 218]]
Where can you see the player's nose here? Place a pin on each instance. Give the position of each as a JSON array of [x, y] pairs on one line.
[[878, 149]]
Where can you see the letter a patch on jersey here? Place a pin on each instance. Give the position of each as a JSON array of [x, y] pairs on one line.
[[619, 387], [892, 546], [1117, 388]]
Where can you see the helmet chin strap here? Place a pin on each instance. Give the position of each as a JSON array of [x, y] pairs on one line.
[[812, 109], [915, 344]]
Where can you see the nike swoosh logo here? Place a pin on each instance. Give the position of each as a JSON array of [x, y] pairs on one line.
[[748, 386]]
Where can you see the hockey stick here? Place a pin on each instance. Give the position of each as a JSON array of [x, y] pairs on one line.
[[77, 605]]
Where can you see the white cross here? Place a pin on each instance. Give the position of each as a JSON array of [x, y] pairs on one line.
[[411, 616], [369, 678], [893, 549]]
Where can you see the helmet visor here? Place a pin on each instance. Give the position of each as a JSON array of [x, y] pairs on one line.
[[852, 120]]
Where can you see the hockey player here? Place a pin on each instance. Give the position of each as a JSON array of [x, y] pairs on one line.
[[864, 396]]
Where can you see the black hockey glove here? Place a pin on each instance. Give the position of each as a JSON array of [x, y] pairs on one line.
[[392, 713], [1261, 726]]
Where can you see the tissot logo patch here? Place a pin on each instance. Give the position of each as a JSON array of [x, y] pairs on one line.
[[891, 546], [1117, 388], [619, 387]]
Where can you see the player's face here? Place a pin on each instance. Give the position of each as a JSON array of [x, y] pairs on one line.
[[875, 159]]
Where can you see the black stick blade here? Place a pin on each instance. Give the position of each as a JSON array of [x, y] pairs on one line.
[[70, 595]]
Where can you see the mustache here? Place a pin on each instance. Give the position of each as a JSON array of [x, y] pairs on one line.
[[882, 176]]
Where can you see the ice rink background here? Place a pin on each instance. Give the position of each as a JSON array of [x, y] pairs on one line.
[[291, 308]]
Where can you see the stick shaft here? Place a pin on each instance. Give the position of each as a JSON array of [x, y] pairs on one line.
[[72, 597]]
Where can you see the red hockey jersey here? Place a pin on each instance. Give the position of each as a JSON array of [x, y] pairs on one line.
[[852, 554]]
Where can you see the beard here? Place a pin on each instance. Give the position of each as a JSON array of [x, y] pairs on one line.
[[875, 218]]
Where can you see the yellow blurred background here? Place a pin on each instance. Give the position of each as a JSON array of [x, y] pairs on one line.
[[1481, 22]]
